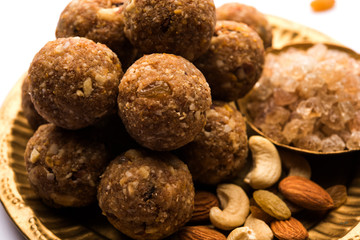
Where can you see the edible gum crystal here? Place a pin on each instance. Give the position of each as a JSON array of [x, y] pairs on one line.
[[309, 99]]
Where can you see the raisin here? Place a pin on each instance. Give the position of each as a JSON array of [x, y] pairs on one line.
[[156, 89], [272, 204]]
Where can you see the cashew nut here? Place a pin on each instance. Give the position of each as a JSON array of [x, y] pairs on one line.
[[242, 233], [108, 14], [235, 204], [295, 163], [261, 229], [266, 169]]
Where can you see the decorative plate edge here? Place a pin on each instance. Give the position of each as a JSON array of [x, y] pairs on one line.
[[22, 216]]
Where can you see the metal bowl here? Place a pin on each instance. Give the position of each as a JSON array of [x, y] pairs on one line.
[[302, 46]]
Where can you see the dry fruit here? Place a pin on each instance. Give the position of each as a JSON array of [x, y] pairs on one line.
[[290, 229], [305, 193], [204, 201], [272, 204], [338, 193], [322, 5]]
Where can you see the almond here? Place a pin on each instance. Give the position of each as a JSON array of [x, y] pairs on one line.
[[204, 201], [198, 233], [290, 229], [305, 193], [338, 193]]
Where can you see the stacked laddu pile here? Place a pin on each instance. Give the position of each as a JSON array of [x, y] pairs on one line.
[[129, 81]]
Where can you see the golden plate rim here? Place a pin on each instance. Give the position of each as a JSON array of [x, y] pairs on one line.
[[22, 215]]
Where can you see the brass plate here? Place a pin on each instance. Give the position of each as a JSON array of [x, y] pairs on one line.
[[36, 221]]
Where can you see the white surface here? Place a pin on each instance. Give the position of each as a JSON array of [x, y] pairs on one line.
[[27, 25]]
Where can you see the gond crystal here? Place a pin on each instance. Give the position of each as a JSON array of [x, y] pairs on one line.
[[317, 91]]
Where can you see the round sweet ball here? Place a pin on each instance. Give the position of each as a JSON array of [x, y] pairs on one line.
[[74, 82], [28, 109], [181, 27], [64, 166], [146, 195], [162, 101], [249, 15], [234, 62], [220, 151], [98, 20]]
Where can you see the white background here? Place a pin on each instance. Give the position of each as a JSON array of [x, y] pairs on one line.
[[27, 25]]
